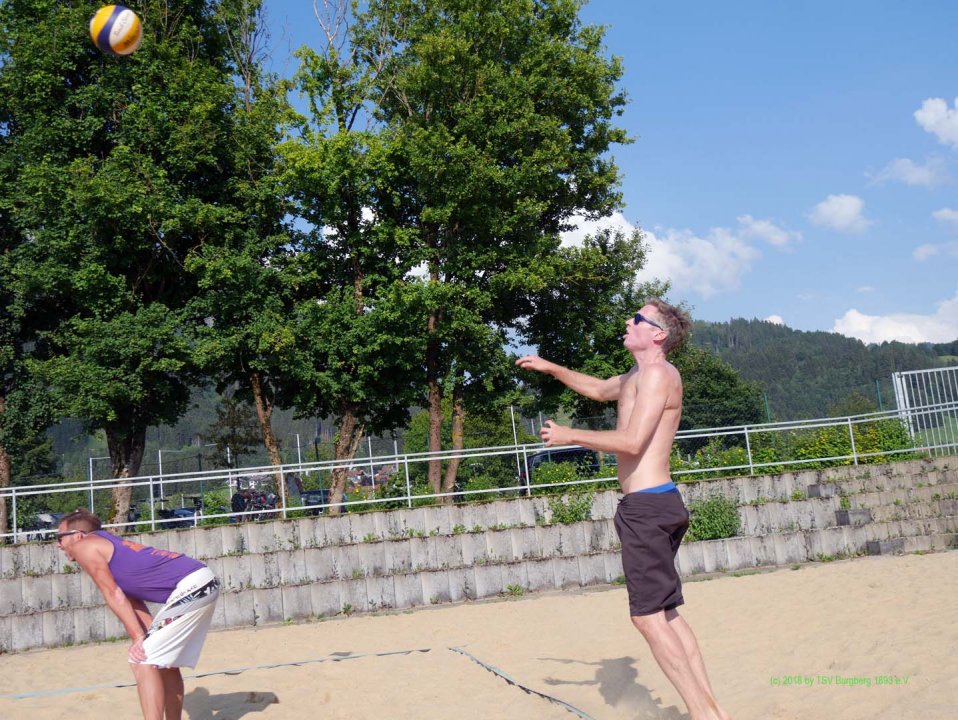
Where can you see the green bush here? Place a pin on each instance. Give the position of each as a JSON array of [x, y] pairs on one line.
[[214, 503], [572, 508], [712, 519], [550, 473]]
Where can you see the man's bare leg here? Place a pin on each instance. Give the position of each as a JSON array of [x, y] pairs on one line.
[[150, 688], [669, 653], [173, 692], [694, 655]]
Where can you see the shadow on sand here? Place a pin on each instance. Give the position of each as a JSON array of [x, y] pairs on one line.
[[618, 684], [200, 705]]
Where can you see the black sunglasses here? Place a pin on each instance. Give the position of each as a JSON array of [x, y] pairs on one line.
[[639, 317], [62, 535]]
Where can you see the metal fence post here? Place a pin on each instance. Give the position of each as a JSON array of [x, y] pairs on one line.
[[152, 507], [851, 436], [405, 459], [13, 495], [748, 450]]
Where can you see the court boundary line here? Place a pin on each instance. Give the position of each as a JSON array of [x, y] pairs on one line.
[[230, 671], [496, 671]]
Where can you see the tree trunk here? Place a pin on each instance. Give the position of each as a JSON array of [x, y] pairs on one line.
[[264, 411], [126, 455], [435, 402], [347, 442], [458, 435], [4, 474]]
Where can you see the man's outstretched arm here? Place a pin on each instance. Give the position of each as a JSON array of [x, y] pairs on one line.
[[591, 387]]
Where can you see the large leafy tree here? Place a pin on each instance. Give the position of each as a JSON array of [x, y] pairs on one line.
[[359, 354], [123, 168], [501, 115]]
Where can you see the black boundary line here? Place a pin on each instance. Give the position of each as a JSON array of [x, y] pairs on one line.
[[496, 671], [231, 671]]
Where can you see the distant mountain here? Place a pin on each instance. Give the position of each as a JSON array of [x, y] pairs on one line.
[[814, 374]]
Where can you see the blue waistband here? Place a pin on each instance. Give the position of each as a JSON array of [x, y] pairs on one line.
[[663, 488]]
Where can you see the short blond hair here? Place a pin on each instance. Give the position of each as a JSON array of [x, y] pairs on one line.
[[675, 321]]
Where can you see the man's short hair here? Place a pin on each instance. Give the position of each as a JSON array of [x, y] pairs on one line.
[[675, 321], [81, 519]]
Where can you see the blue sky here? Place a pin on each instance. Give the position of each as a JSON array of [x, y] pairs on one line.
[[793, 161]]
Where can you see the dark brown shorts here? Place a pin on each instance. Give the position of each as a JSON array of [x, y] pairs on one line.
[[650, 528]]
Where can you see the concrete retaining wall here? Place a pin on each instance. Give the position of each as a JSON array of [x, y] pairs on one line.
[[318, 567]]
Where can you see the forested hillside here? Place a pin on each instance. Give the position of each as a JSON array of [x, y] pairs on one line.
[[812, 374]]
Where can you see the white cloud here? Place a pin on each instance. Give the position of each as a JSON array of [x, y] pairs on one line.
[[775, 320], [840, 212], [946, 215], [766, 230], [705, 265], [936, 117], [931, 174], [928, 250], [865, 289], [940, 326]]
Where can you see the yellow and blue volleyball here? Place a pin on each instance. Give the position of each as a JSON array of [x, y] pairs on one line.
[[116, 30]]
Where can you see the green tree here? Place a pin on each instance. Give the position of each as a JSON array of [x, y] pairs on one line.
[[123, 170], [236, 430], [355, 330], [501, 115]]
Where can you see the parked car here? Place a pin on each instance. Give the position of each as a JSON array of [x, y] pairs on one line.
[[318, 497], [586, 459]]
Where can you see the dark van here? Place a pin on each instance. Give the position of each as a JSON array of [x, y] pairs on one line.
[[585, 458]]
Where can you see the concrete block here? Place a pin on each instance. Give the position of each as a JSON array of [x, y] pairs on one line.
[[408, 590], [349, 562], [373, 558], [549, 539], [58, 628], [740, 553], [89, 623], [423, 552], [219, 614], [692, 558], [362, 526], [317, 564], [393, 523], [601, 535], [526, 542], [515, 574], [11, 596], [292, 567], [442, 518], [501, 548], [462, 584], [27, 631], [112, 627], [238, 608], [572, 539], [66, 590], [449, 552], [381, 592], [398, 556], [42, 558], [267, 605], [89, 593], [435, 587], [312, 531], [566, 572], [37, 593], [183, 541], [6, 633], [895, 546], [488, 580], [790, 548], [264, 537], [613, 566], [337, 530], [264, 570], [541, 574], [763, 550], [237, 572], [354, 595], [527, 513], [604, 505], [209, 543], [591, 570], [853, 517], [326, 598], [822, 490], [474, 548], [507, 513], [297, 603]]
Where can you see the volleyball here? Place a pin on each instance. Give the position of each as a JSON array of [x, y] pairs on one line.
[[116, 30]]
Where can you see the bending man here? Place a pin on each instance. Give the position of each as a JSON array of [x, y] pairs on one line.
[[651, 519], [128, 574]]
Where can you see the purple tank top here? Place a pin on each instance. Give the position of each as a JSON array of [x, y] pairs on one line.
[[147, 573]]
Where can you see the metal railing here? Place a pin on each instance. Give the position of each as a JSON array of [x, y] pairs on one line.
[[151, 494]]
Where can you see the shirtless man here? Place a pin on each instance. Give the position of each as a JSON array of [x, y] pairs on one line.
[[651, 519]]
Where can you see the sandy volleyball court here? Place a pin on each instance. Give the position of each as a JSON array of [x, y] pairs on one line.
[[869, 638]]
